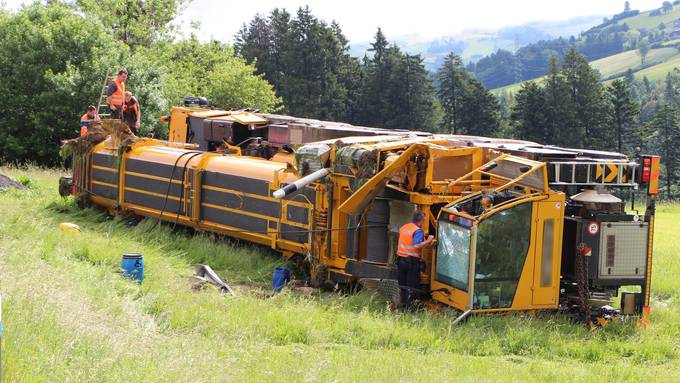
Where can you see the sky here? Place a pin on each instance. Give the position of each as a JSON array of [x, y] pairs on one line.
[[428, 19], [359, 19]]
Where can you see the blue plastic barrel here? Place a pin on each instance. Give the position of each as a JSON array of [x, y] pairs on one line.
[[281, 277], [132, 266]]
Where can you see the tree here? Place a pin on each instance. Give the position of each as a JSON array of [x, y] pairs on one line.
[[136, 23], [590, 104], [397, 92], [467, 106], [480, 110], [530, 115], [212, 70], [50, 61], [666, 6], [254, 43], [306, 60], [498, 69], [451, 77], [376, 76], [411, 105], [53, 61], [666, 128], [643, 49], [560, 110], [624, 113]]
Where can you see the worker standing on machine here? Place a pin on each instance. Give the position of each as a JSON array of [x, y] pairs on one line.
[[116, 94], [132, 114], [409, 250], [87, 119]]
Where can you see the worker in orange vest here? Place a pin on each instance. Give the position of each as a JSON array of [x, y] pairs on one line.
[[87, 119], [132, 114], [409, 249], [116, 94]]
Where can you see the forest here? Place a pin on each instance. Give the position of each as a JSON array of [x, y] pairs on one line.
[[54, 58], [612, 36]]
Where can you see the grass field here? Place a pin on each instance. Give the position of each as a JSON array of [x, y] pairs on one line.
[[668, 58], [69, 316], [621, 62], [659, 71], [644, 20]]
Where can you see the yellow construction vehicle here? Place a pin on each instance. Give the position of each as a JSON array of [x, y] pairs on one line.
[[336, 195]]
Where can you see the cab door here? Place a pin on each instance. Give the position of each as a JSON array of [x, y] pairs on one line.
[[548, 219]]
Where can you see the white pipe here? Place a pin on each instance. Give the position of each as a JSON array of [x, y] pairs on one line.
[[302, 182]]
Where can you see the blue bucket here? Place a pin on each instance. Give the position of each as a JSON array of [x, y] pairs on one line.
[[132, 266], [281, 277]]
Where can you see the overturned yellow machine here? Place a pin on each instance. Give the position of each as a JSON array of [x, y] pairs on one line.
[[336, 194]]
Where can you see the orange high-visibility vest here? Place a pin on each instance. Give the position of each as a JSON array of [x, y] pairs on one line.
[[405, 247], [118, 97], [85, 127], [134, 107]]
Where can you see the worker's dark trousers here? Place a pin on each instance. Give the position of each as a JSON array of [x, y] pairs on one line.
[[408, 274], [132, 124], [116, 113]]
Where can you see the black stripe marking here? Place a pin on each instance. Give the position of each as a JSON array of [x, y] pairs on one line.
[[155, 168], [104, 160], [105, 191], [105, 176], [233, 219], [153, 202], [297, 214], [294, 234], [242, 184], [151, 185], [233, 201]]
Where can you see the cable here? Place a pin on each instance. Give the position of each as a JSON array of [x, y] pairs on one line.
[[181, 194], [167, 192]]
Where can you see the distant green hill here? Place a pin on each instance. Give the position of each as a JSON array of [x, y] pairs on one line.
[[659, 61], [645, 20]]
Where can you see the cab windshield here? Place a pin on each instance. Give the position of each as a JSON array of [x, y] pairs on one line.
[[453, 255]]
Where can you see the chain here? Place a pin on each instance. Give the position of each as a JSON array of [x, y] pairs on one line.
[[582, 266]]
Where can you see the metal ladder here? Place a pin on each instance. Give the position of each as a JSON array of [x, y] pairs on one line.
[[593, 173], [102, 96]]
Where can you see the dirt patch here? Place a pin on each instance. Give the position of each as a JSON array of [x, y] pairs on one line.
[[6, 182]]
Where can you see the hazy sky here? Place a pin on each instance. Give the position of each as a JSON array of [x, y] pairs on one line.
[[428, 18]]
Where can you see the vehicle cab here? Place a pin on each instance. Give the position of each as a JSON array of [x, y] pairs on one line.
[[499, 248]]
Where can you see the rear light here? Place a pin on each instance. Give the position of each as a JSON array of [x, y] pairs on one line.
[[651, 168], [646, 169]]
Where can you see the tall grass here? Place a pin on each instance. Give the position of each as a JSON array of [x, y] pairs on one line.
[[69, 316]]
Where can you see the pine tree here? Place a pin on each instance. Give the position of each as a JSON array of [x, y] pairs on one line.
[[307, 62], [411, 93], [468, 107], [279, 26], [451, 77], [530, 113], [480, 110], [589, 104], [624, 113], [374, 99], [559, 109], [666, 128]]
